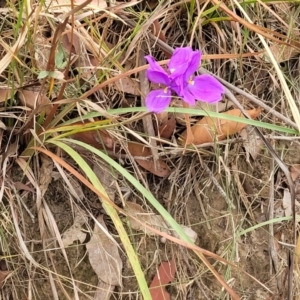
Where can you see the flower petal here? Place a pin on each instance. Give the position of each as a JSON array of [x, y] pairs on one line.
[[193, 64], [158, 100], [156, 73], [184, 61], [206, 88], [187, 96]]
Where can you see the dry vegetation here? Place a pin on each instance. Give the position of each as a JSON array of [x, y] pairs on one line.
[[97, 194]]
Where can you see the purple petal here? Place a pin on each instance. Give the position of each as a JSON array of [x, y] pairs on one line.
[[193, 64], [158, 100], [180, 87], [206, 88], [156, 73], [187, 96], [184, 61]]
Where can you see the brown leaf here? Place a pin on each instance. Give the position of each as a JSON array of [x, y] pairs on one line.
[[34, 98], [209, 129], [164, 275], [217, 107], [127, 85], [153, 220], [295, 171], [139, 150], [99, 139], [5, 93], [167, 128], [251, 143]]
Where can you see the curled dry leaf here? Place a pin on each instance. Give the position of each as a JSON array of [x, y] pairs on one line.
[[104, 256], [209, 129], [164, 275], [34, 98]]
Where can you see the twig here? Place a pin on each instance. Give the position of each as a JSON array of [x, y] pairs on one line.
[[273, 252], [147, 120]]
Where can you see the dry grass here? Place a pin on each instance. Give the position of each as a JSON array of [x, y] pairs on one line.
[[61, 63]]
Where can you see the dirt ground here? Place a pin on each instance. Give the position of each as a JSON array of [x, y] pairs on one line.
[[238, 206], [208, 214]]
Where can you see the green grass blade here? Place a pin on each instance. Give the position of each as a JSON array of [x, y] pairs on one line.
[[197, 112], [147, 194], [114, 216]]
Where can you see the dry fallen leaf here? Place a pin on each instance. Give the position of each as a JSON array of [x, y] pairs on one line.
[[106, 176], [167, 128], [75, 232], [295, 171], [127, 85], [34, 98], [252, 144], [140, 150], [99, 139], [281, 53], [105, 260], [153, 220], [209, 129], [156, 221], [164, 275], [218, 107], [5, 93]]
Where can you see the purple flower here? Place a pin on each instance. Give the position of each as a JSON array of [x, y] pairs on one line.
[[182, 66]]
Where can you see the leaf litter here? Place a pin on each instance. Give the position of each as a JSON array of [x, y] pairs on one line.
[[89, 54], [104, 257]]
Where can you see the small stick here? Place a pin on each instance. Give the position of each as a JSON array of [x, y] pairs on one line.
[[190, 136], [147, 120]]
